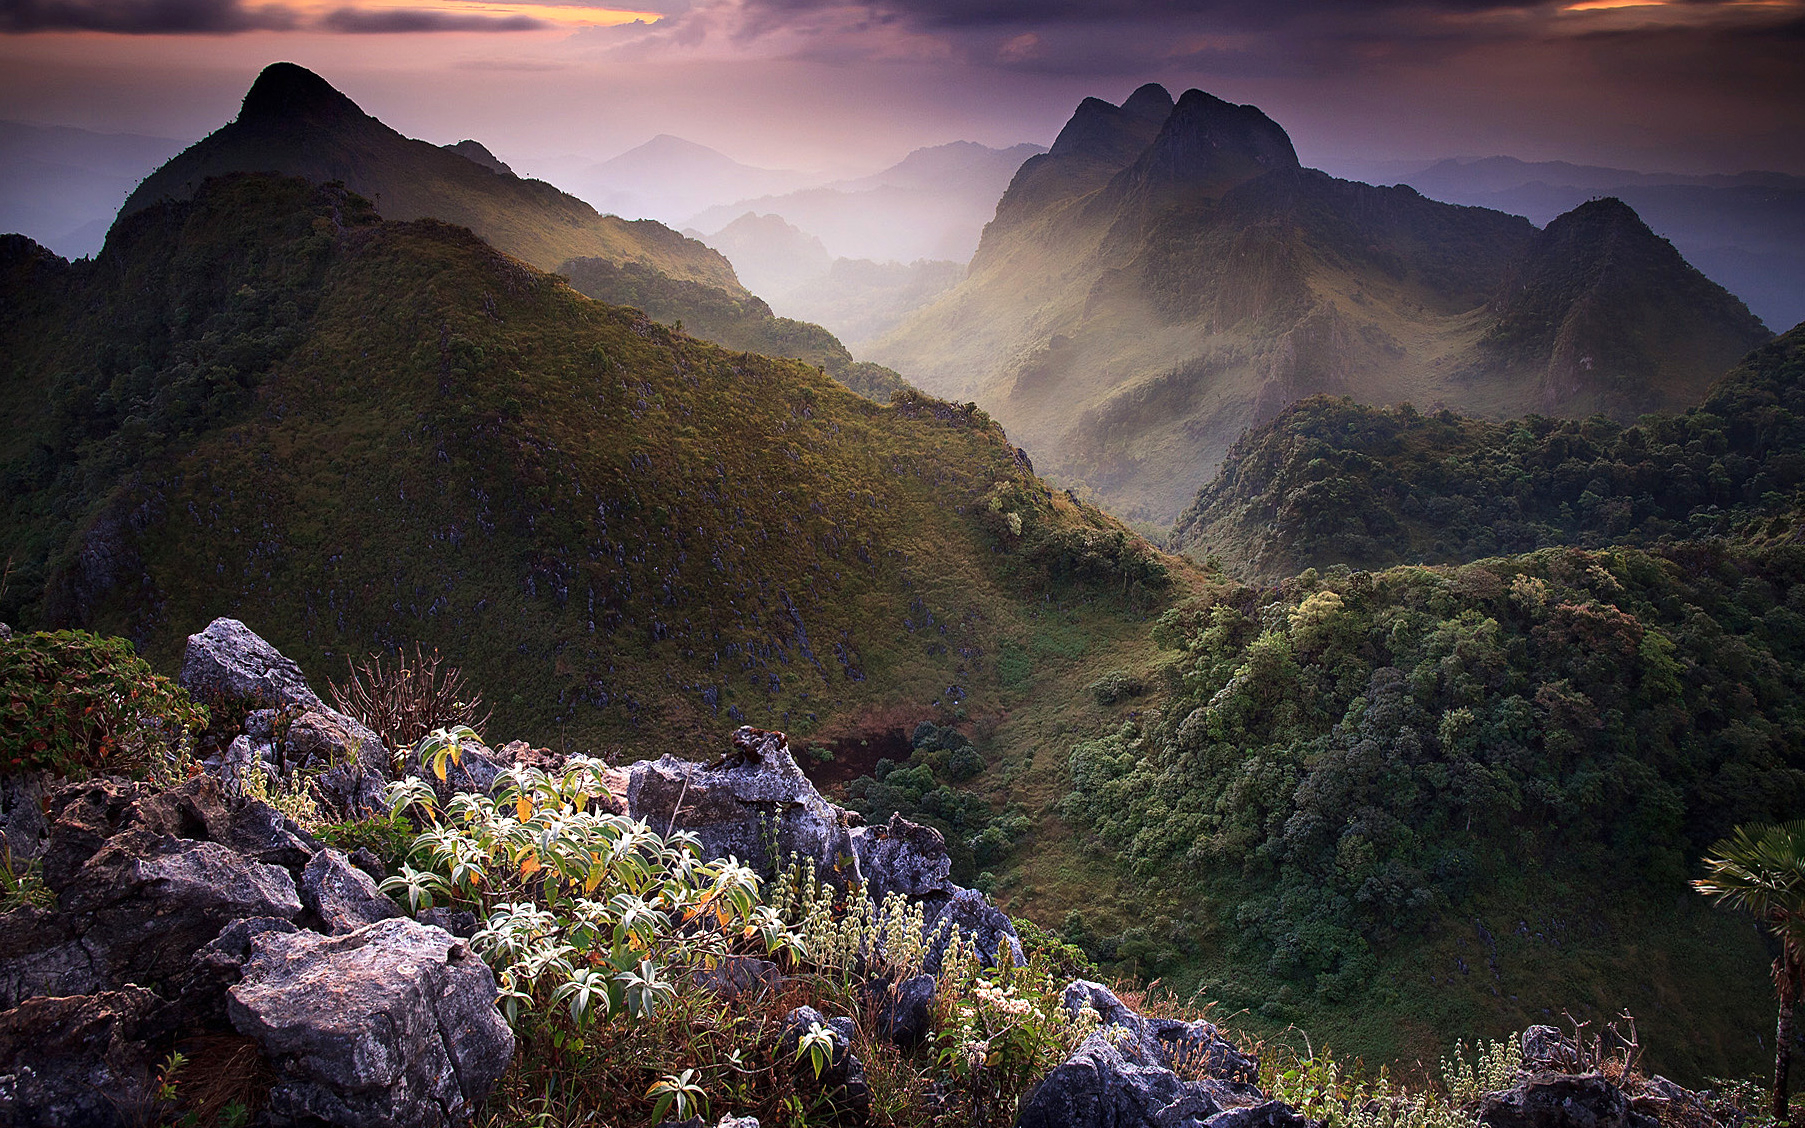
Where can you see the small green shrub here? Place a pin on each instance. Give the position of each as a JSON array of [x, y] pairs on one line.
[[1116, 686], [74, 702]]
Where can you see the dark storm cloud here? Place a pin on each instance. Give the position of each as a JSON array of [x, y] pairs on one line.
[[226, 17], [390, 20], [144, 17]]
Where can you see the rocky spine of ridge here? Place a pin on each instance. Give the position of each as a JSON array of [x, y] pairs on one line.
[[294, 122]]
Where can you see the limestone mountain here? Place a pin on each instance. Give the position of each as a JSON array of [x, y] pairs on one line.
[[264, 401], [1169, 275], [294, 122], [1332, 482]]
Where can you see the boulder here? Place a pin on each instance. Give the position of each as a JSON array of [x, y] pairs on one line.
[[905, 858], [1545, 1048], [910, 860], [215, 967], [842, 1082], [206, 810], [86, 1061], [394, 1024], [352, 762], [905, 1011], [341, 897], [459, 922], [229, 662], [982, 925], [1560, 1100], [755, 804], [1122, 1075], [144, 903], [23, 828]]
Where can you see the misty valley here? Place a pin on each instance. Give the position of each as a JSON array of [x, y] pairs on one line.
[[1130, 632]]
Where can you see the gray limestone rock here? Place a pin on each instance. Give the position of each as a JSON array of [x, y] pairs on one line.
[[228, 662], [1122, 1076], [342, 897], [843, 1079], [1560, 1100], [758, 798], [394, 1024]]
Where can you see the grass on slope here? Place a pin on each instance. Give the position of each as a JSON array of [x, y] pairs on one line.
[[628, 535]]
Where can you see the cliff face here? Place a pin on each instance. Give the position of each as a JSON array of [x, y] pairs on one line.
[[1147, 291]]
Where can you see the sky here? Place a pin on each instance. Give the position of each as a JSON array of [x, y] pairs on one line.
[[845, 87]]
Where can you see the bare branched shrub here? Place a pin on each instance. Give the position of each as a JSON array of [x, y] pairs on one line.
[[404, 702]]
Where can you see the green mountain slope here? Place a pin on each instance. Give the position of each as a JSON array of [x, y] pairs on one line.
[[1387, 806], [265, 402], [1332, 482], [1159, 282]]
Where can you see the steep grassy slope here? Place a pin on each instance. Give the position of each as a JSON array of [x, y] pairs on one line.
[[267, 403], [294, 122], [1160, 281], [1331, 482]]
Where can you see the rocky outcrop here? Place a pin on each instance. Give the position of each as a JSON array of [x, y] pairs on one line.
[[341, 897], [1560, 1086], [1123, 1075], [82, 1061], [1561, 1100], [170, 903], [394, 1024], [143, 880], [229, 662], [754, 804]]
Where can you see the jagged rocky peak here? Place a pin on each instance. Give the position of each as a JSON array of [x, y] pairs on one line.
[[1149, 103], [1114, 134], [1209, 144], [287, 92], [478, 152]]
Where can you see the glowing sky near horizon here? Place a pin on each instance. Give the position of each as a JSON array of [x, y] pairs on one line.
[[850, 85]]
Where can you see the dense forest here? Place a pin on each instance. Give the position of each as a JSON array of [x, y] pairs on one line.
[[1332, 481]]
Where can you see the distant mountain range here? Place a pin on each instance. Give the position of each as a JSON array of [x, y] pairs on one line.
[[933, 204], [671, 179], [857, 299], [1169, 275], [63, 185], [294, 122]]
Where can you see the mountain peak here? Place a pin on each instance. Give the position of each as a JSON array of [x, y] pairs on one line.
[[1214, 144], [286, 92], [1149, 103], [478, 152]]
